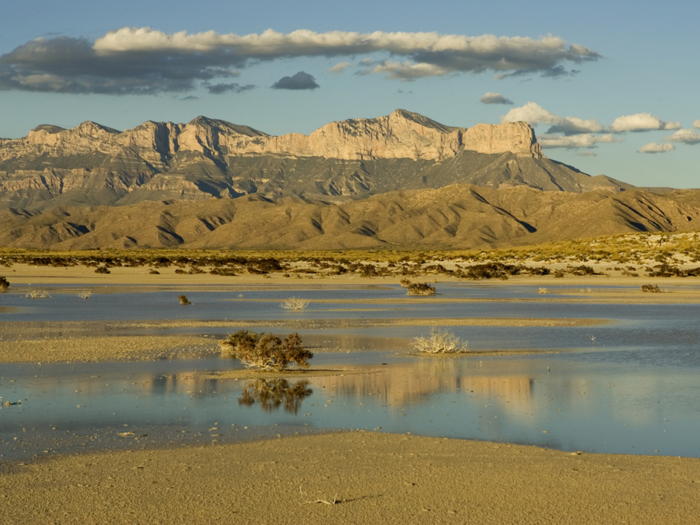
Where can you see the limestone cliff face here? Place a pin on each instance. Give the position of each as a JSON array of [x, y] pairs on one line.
[[513, 137], [401, 135], [209, 158]]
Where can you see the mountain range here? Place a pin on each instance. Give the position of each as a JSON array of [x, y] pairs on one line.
[[398, 181]]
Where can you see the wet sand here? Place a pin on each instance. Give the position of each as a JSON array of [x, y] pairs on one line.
[[356, 477]]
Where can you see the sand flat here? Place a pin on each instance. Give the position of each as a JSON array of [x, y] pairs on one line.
[[355, 477]]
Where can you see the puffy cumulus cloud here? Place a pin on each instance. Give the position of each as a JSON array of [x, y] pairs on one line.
[[145, 61], [686, 136], [218, 89], [339, 68], [575, 141], [534, 114], [655, 147], [641, 122], [494, 98], [696, 124], [299, 81]]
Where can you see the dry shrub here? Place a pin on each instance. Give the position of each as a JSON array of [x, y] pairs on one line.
[[4, 284], [183, 299], [405, 283], [421, 289], [37, 294], [440, 342], [653, 288], [102, 269], [85, 294], [266, 351], [295, 303]]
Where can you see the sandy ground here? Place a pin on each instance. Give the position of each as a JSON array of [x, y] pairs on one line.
[[674, 290], [68, 349], [353, 477]]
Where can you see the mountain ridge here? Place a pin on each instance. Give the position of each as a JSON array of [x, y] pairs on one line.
[[208, 158]]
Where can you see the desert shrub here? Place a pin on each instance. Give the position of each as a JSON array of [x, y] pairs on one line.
[[102, 269], [295, 303], [266, 351], [421, 289], [652, 288], [4, 284], [542, 290], [368, 271], [490, 271], [228, 272], [558, 274], [154, 272], [338, 270], [667, 270], [440, 342], [183, 299], [537, 270], [180, 271], [85, 294], [405, 283], [37, 294], [273, 393], [582, 270]]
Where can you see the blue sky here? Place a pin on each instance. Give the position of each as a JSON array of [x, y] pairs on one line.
[[596, 62]]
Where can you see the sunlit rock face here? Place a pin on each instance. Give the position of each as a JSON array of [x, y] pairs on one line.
[[208, 158]]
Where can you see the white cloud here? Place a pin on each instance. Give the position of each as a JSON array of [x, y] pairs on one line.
[[535, 114], [494, 98], [641, 122], [686, 136], [145, 61], [655, 147], [696, 124], [407, 71], [339, 68], [575, 141]]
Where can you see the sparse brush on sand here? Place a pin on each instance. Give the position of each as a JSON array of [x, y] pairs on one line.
[[4, 284]]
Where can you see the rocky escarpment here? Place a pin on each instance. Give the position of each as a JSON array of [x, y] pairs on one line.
[[402, 134], [207, 158]]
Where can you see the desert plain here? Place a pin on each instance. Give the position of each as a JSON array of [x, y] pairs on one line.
[[333, 475]]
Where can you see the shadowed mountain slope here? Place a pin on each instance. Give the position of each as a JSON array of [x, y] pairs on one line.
[[459, 216]]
